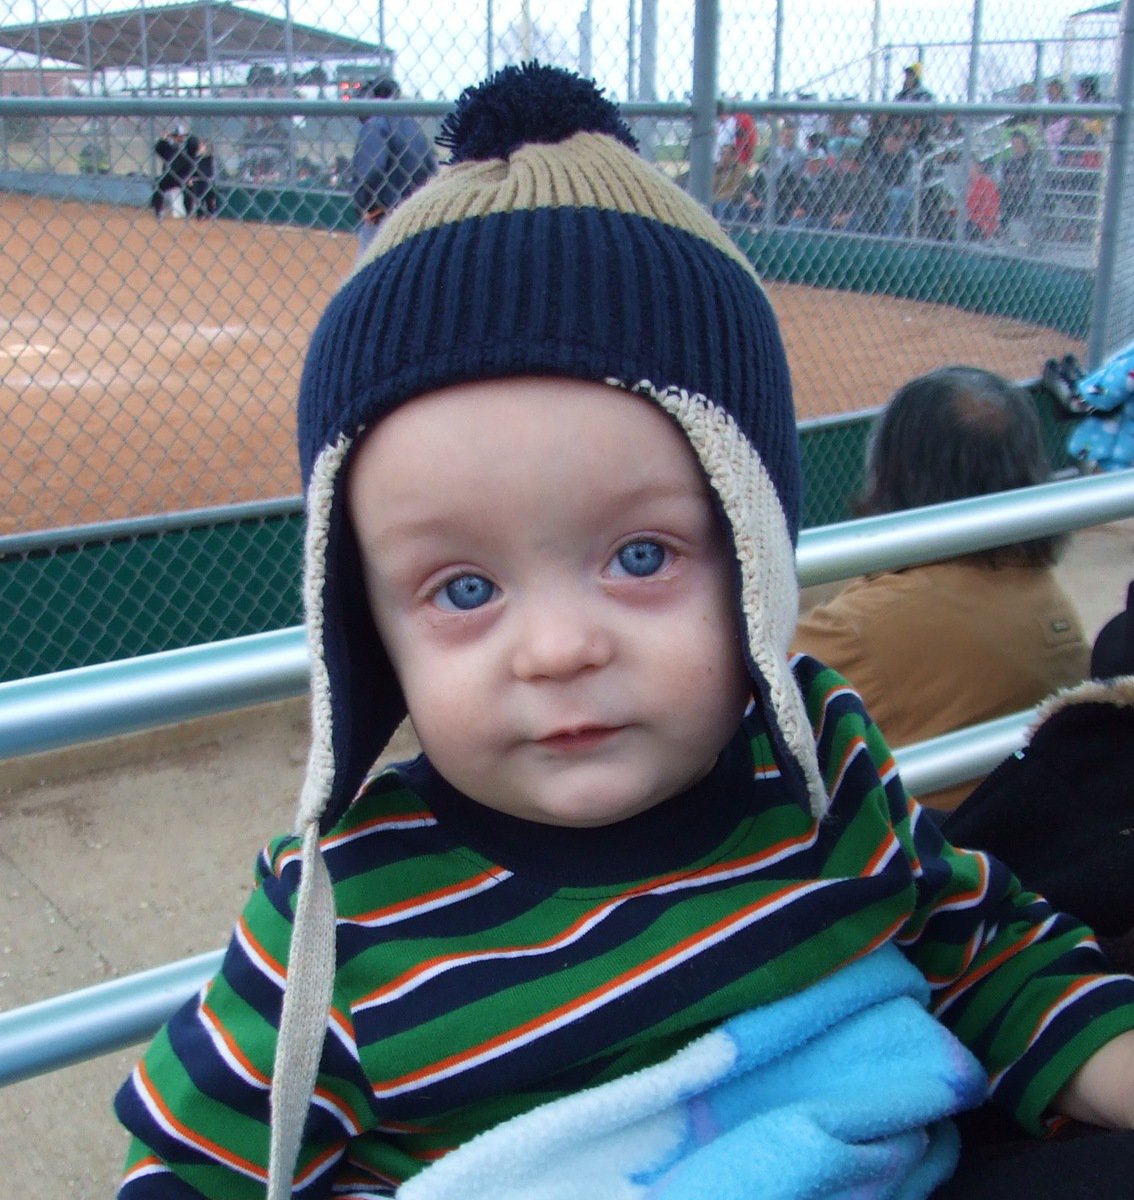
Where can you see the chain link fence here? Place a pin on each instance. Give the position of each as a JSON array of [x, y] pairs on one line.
[[917, 185]]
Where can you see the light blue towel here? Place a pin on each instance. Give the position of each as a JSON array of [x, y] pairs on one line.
[[843, 1090]]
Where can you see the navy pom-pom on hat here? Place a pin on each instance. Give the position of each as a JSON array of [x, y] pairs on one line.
[[525, 104]]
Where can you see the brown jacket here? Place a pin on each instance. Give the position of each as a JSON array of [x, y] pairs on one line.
[[935, 648]]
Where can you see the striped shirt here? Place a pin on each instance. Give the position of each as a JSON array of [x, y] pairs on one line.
[[486, 964]]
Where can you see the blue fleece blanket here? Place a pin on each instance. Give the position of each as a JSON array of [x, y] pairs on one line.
[[843, 1090]]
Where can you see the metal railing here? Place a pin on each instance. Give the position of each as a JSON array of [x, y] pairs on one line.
[[74, 706]]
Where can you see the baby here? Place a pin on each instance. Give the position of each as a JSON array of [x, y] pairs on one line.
[[552, 497]]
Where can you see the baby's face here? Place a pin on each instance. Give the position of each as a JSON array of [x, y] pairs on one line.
[[554, 592]]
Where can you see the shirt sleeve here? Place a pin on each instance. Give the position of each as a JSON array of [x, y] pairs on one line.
[[1024, 987], [197, 1105]]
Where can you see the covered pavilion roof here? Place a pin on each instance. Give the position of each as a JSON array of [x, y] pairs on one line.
[[179, 35]]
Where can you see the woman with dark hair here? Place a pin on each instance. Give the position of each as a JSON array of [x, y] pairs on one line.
[[937, 647]]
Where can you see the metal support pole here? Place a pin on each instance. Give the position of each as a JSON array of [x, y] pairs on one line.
[[974, 51], [631, 56], [971, 90], [38, 49], [526, 53], [145, 37], [488, 36], [778, 54], [289, 59], [44, 127], [648, 78], [211, 51], [586, 30], [771, 173], [706, 36], [1117, 231], [88, 63]]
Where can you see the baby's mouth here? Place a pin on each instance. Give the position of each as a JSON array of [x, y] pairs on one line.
[[579, 737]]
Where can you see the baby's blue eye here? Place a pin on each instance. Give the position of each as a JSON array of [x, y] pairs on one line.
[[641, 558], [466, 592]]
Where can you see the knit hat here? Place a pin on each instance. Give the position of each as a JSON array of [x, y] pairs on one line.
[[546, 247]]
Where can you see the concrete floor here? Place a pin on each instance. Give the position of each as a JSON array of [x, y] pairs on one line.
[[139, 851]]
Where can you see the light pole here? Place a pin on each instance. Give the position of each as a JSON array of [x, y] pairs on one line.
[[875, 49], [586, 27], [648, 76]]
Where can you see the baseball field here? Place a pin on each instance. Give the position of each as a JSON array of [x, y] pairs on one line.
[[151, 367]]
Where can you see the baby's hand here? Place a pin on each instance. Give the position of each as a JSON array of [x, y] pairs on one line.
[[1101, 1092]]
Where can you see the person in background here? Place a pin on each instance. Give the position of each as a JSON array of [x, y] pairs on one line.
[[392, 159], [1088, 90], [1026, 123], [746, 138], [1055, 126], [809, 209], [1017, 187], [913, 91], [887, 191], [780, 175], [982, 204], [201, 193], [731, 187], [175, 173], [936, 647]]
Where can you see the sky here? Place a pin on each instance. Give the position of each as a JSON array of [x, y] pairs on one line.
[[826, 43]]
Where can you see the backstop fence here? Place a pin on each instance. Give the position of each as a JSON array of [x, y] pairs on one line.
[[972, 208]]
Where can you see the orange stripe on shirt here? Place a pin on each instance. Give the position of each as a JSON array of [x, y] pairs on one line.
[[454, 1063], [213, 1149], [433, 967]]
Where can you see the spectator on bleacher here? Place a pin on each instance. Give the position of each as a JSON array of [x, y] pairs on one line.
[[786, 154], [913, 90], [982, 204], [809, 209], [746, 138], [780, 175], [1055, 127], [731, 183], [392, 158], [937, 647], [1078, 178], [842, 135], [839, 196], [1017, 187], [1080, 149], [726, 135], [1025, 123], [886, 191], [1089, 91]]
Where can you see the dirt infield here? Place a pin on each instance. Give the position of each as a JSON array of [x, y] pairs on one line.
[[150, 368]]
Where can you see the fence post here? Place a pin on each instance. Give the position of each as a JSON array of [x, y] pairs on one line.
[[706, 36], [1112, 305]]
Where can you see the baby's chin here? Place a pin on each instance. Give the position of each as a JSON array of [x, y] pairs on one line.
[[589, 808]]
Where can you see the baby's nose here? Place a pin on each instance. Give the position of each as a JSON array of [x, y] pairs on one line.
[[561, 638]]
